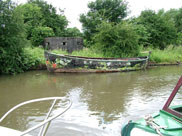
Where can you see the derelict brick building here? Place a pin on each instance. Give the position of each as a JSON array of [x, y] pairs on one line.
[[69, 44]]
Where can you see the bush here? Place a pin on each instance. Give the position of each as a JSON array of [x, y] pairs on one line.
[[39, 33], [17, 61], [161, 29], [99, 10], [11, 61], [119, 40], [142, 32], [86, 52], [73, 32], [171, 54], [179, 39], [35, 56], [12, 38]]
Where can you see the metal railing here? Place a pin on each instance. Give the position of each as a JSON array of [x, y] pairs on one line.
[[45, 124]]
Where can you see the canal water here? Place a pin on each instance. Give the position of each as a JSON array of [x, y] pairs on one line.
[[102, 103]]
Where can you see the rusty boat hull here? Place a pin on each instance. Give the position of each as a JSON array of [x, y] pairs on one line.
[[72, 64]]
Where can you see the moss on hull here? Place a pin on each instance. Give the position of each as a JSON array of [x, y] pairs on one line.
[[56, 62]]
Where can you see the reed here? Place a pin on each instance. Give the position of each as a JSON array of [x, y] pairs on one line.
[[172, 54], [36, 54], [86, 52]]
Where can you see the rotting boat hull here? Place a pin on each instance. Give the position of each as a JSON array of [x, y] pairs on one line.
[[66, 63]]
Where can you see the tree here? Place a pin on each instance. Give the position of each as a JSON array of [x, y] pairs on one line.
[[161, 29], [73, 32], [178, 24], [178, 20], [141, 31], [39, 33], [176, 16], [119, 40], [50, 17], [32, 16], [102, 10], [12, 38], [38, 15]]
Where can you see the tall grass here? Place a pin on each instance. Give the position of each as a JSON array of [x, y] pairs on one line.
[[36, 55], [84, 53], [172, 54]]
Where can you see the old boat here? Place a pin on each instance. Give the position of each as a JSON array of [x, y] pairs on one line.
[[67, 63], [167, 122], [44, 125]]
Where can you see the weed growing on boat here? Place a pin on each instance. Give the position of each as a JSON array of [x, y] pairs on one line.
[[86, 52]]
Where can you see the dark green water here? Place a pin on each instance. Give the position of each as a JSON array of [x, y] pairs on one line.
[[101, 102]]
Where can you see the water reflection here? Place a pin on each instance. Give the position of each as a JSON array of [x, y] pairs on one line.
[[101, 102]]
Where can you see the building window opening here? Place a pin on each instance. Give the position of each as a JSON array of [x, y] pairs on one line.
[[64, 43]]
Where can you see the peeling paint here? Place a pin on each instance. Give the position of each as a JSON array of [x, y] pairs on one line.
[[84, 64]]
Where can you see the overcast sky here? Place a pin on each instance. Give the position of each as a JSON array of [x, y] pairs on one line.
[[73, 8]]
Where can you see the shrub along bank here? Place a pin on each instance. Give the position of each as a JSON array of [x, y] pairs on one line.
[[106, 32], [33, 58], [170, 55]]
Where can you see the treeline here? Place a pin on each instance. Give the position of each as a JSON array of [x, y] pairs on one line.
[[106, 29], [27, 25]]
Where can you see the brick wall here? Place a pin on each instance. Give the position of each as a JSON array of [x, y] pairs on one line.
[[69, 44]]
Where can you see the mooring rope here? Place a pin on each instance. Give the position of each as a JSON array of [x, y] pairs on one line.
[[150, 122]]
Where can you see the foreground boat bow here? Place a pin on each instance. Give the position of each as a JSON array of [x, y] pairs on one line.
[[168, 122], [44, 124]]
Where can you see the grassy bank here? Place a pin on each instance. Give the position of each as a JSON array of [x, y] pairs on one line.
[[35, 57], [170, 55]]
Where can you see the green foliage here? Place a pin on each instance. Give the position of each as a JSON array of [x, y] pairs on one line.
[[86, 52], [39, 33], [12, 32], [171, 54], [142, 32], [12, 38], [99, 10], [32, 16], [50, 17], [11, 61], [60, 51], [73, 32], [103, 26], [42, 18], [110, 10], [161, 29], [17, 61], [176, 16], [14, 57], [178, 20], [35, 56], [143, 35], [119, 40], [179, 38], [91, 52]]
